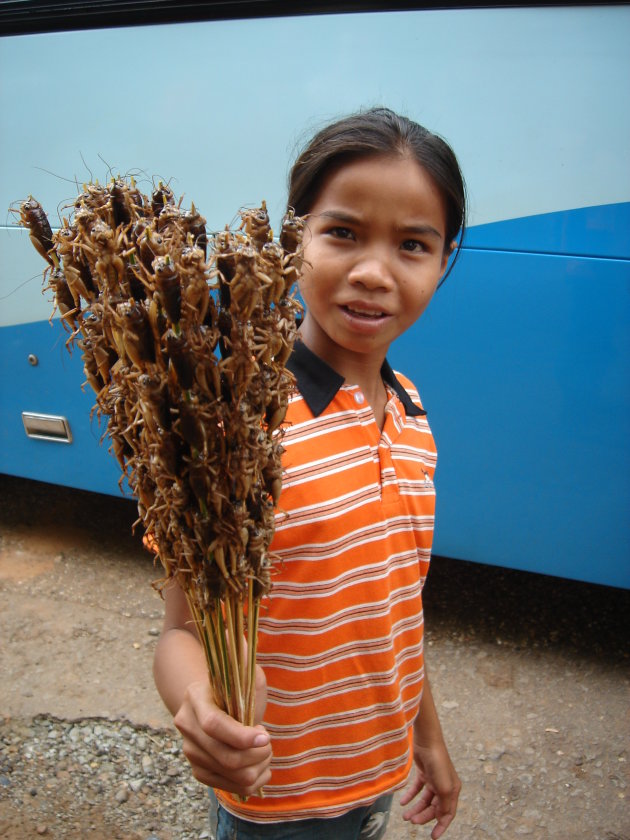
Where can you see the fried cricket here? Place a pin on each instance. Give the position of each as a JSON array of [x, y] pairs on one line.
[[184, 339]]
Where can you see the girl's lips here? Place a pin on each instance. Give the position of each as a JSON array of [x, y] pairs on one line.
[[363, 311], [364, 319]]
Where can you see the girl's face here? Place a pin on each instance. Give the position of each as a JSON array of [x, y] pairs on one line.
[[374, 252]]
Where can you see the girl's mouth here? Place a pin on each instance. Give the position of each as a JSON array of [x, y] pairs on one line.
[[369, 314]]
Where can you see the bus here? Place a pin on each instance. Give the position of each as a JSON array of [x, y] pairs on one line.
[[523, 357]]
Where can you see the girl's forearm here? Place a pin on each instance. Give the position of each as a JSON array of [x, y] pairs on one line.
[[179, 661], [427, 728]]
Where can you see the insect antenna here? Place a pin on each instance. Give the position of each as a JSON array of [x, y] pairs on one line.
[[56, 175], [87, 167], [110, 169], [12, 210], [21, 285]]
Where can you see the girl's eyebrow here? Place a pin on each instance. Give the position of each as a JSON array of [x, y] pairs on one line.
[[349, 218], [421, 230], [338, 216]]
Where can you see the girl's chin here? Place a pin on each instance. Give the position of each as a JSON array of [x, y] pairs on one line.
[[361, 344]]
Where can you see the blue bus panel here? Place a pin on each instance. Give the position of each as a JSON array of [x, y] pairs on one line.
[[523, 357]]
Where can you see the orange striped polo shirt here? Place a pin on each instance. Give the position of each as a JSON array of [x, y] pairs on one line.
[[340, 636]]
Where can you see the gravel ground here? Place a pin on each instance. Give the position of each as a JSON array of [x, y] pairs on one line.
[[96, 778], [530, 675]]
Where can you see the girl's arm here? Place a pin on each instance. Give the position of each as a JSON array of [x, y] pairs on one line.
[[436, 779], [222, 752]]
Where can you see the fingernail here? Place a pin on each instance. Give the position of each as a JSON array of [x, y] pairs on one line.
[[261, 740]]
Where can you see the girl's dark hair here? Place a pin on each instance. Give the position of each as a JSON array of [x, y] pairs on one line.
[[380, 131]]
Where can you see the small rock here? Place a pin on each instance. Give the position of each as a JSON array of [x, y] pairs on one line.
[[122, 795]]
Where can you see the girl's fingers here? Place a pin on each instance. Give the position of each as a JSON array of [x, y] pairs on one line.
[[442, 824], [217, 757], [423, 809], [424, 817], [199, 714], [243, 779], [222, 752], [222, 728], [412, 791], [222, 748], [427, 809], [215, 763]]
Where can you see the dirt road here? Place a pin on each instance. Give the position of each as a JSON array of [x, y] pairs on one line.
[[530, 675]]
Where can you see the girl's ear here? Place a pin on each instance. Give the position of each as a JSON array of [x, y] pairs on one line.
[[447, 254]]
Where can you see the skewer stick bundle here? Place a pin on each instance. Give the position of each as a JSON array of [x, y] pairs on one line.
[[184, 339]]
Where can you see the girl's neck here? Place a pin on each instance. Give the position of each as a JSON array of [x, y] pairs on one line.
[[356, 369], [368, 378]]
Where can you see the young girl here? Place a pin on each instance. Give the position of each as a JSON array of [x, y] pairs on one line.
[[344, 704]]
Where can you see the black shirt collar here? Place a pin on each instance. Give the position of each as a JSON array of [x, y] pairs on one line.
[[318, 382]]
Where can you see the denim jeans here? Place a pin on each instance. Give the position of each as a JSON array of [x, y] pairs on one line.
[[368, 823]]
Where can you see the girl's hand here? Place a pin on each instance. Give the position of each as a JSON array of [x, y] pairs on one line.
[[222, 752], [438, 785]]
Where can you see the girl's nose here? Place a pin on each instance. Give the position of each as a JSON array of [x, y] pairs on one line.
[[371, 273]]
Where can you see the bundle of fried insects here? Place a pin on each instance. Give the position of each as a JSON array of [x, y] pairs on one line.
[[184, 339]]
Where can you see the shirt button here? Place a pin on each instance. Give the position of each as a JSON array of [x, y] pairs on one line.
[[358, 397]]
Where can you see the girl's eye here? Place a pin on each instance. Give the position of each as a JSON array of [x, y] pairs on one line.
[[412, 245], [340, 233]]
